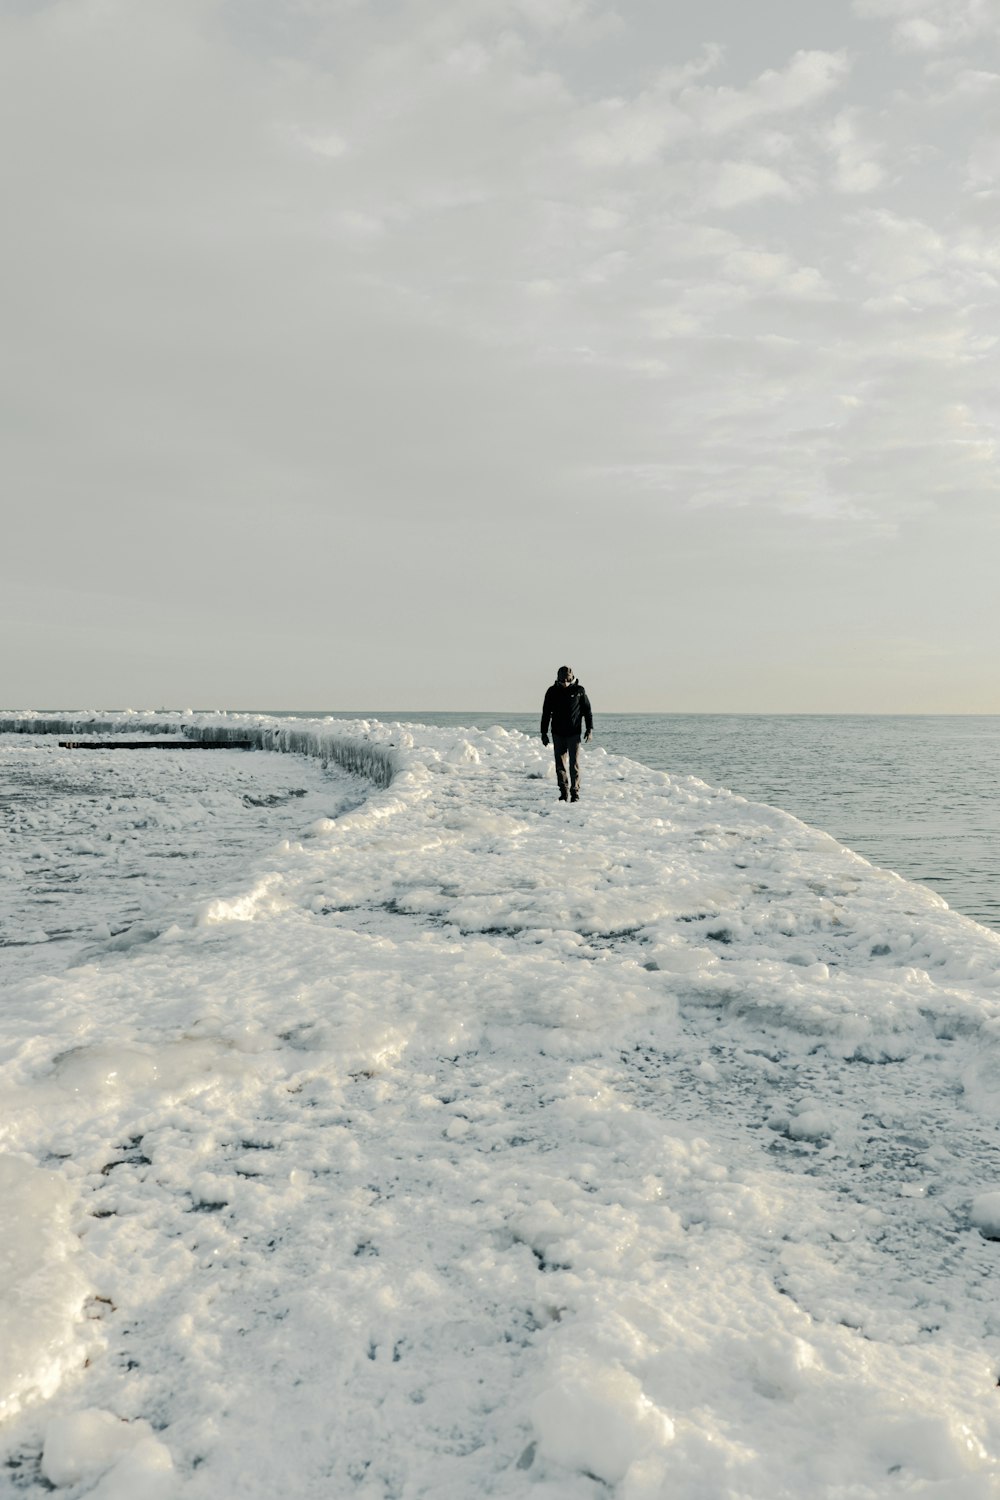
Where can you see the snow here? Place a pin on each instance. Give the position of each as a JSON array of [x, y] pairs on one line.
[[986, 1213], [597, 1417], [93, 1444], [42, 1290], [440, 1139]]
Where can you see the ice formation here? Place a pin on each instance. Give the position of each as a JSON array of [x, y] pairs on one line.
[[475, 1144]]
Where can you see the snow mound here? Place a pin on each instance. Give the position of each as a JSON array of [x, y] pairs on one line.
[[42, 1289], [92, 1444], [596, 1418], [985, 1214]]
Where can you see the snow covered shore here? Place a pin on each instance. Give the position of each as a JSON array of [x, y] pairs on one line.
[[484, 1145]]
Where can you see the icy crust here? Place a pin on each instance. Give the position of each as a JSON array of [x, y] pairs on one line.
[[483, 1145]]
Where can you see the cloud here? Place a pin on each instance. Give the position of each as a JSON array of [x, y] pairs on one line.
[[902, 451], [737, 183], [856, 168], [584, 20], [327, 144], [907, 262], [630, 132], [920, 34], [890, 9], [637, 131], [930, 26], [760, 270], [708, 59], [808, 78], [983, 169]]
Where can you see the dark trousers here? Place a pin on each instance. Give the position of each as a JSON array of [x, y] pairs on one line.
[[567, 750]]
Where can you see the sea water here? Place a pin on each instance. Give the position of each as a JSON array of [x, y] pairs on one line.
[[914, 794]]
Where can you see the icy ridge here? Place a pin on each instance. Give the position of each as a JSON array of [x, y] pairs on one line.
[[360, 752]]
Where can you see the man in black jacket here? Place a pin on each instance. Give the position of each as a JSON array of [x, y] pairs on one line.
[[567, 708]]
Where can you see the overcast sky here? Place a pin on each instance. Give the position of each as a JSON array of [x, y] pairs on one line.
[[390, 353]]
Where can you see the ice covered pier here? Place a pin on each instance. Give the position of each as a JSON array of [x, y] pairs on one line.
[[479, 1144]]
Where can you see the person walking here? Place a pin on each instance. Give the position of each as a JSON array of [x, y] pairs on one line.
[[567, 709]]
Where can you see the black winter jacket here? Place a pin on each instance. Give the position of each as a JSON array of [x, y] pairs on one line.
[[566, 708]]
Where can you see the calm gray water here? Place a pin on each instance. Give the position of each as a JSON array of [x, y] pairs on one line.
[[913, 794]]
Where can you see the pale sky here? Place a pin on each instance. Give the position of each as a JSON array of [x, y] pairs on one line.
[[390, 353]]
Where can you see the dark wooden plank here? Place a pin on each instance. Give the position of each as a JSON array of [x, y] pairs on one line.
[[156, 745]]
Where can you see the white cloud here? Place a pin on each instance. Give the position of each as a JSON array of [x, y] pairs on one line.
[[630, 132], [470, 58], [637, 131], [755, 265], [889, 9], [978, 82], [856, 169], [983, 168], [737, 183], [709, 58], [929, 26], [777, 274], [908, 263], [893, 9], [858, 175], [606, 220], [327, 144], [920, 34], [807, 78], [360, 225], [565, 15]]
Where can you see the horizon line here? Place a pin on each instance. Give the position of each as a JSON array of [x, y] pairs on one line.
[[653, 713]]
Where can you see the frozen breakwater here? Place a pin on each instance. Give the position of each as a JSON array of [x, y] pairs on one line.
[[363, 753], [481, 1145]]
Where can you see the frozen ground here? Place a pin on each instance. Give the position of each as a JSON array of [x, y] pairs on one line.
[[98, 854], [466, 1143]]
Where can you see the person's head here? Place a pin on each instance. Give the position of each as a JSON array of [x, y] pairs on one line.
[[565, 676]]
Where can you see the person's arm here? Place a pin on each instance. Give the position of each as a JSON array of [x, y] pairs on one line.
[[588, 717], [546, 716]]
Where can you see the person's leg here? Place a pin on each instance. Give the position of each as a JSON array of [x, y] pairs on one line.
[[574, 767], [559, 750]]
